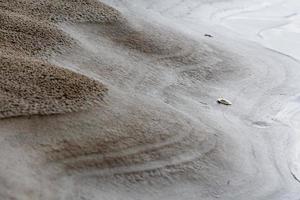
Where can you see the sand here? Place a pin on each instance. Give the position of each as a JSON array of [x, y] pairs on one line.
[[30, 86], [29, 33], [116, 99]]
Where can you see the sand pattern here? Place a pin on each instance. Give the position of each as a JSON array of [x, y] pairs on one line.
[[154, 130], [29, 84]]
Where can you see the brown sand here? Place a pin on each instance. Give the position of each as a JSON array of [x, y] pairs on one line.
[[63, 10], [29, 84], [22, 35]]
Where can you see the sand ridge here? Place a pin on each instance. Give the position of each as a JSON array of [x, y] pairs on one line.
[[30, 86], [63, 10], [28, 33]]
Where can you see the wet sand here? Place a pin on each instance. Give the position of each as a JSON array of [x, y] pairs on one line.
[[117, 100]]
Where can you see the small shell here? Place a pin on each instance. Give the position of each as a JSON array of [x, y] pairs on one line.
[[224, 101]]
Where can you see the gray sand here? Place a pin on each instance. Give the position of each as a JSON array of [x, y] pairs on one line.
[[118, 102]]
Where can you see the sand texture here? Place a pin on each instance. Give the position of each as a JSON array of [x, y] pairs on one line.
[[29, 33], [117, 100]]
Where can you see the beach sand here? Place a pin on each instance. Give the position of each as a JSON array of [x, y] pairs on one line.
[[114, 99]]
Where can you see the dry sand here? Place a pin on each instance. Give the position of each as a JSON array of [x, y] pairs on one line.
[[29, 84]]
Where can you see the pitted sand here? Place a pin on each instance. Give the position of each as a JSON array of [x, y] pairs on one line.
[[31, 86], [63, 10], [28, 32], [22, 35]]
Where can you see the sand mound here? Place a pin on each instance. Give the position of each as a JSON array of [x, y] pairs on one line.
[[34, 87], [150, 40], [20, 34], [63, 10], [28, 34]]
